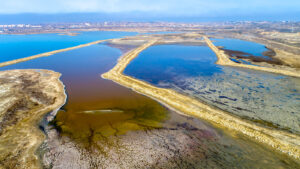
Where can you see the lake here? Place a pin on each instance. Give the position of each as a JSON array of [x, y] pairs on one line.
[[252, 48], [106, 125], [19, 46], [268, 99]]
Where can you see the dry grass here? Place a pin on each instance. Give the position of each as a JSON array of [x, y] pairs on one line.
[[282, 141], [224, 60], [30, 94]]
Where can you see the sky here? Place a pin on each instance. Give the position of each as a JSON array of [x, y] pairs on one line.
[[164, 8], [167, 7]]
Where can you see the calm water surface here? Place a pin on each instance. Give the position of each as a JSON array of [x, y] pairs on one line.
[[252, 48], [92, 101], [271, 99], [19, 46], [108, 116]]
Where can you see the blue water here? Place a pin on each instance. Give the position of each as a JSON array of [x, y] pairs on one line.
[[191, 70], [81, 64], [81, 71], [165, 62], [241, 61], [19, 46], [252, 48]]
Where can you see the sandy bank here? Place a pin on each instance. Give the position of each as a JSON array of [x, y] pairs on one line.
[[69, 33], [275, 44], [290, 59], [26, 96], [279, 140], [223, 59], [48, 53]]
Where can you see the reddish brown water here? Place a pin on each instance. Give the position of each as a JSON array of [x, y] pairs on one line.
[[95, 104], [99, 112]]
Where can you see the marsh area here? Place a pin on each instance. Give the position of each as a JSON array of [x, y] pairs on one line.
[[265, 98], [106, 125]]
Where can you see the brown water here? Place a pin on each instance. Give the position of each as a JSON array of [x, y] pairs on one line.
[[106, 125], [96, 105], [107, 109]]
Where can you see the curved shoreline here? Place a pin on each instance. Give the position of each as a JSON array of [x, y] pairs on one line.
[[224, 60], [49, 53], [284, 142], [281, 141], [20, 139]]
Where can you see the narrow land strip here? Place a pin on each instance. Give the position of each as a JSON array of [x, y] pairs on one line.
[[281, 141], [49, 53], [224, 60]]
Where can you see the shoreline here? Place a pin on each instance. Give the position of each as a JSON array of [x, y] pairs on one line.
[[224, 60], [68, 30], [50, 53], [284, 142], [20, 140]]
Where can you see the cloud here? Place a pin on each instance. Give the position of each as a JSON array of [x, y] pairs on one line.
[[64, 6], [168, 7]]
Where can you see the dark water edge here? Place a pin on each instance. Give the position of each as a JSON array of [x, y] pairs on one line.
[[181, 142], [247, 52], [245, 47], [93, 102], [106, 125], [257, 96]]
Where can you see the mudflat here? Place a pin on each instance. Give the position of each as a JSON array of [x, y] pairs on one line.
[[26, 96]]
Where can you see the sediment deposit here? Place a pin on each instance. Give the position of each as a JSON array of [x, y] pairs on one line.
[[26, 96], [172, 38], [224, 60], [279, 140], [181, 142]]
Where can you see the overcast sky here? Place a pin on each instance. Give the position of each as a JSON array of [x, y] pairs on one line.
[[167, 7]]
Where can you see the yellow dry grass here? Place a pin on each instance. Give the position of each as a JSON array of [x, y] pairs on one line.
[[224, 60], [281, 141]]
